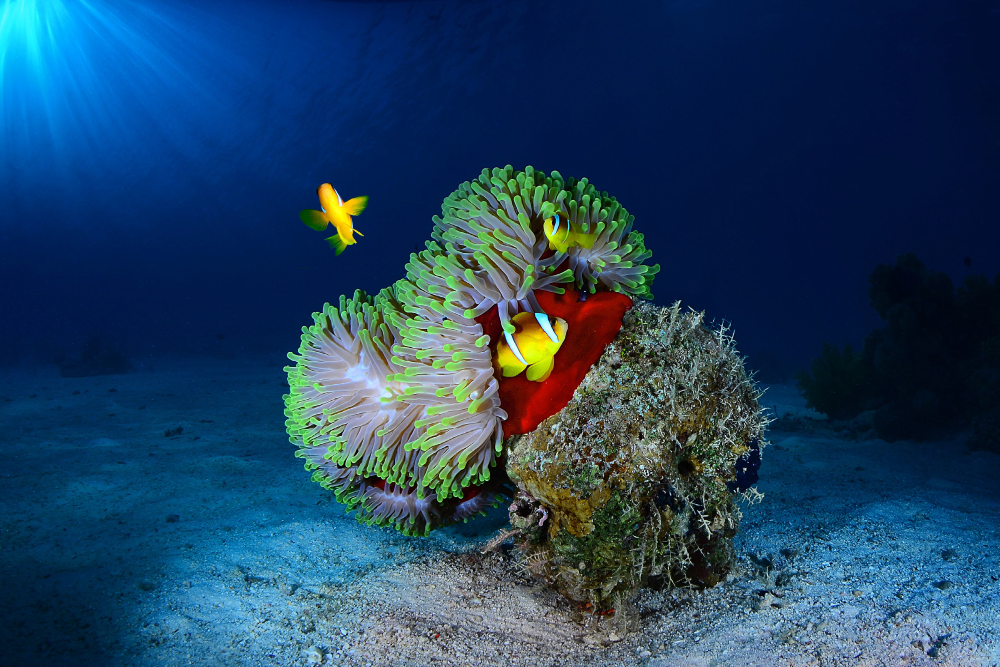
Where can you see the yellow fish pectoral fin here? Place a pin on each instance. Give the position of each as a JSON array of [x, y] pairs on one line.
[[355, 206], [541, 370], [510, 370], [337, 243], [508, 363], [313, 219]]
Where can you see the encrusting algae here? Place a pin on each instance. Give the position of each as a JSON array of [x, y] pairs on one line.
[[517, 360], [638, 476]]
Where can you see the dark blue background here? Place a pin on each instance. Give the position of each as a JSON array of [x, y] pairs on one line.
[[155, 155]]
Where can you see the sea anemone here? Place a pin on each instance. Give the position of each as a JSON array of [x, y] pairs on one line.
[[447, 370], [393, 400], [491, 232]]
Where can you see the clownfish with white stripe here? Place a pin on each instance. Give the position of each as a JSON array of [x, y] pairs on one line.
[[337, 212], [562, 236], [532, 346]]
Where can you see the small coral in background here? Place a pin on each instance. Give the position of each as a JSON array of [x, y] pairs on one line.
[[96, 359], [930, 370], [634, 483], [836, 382]]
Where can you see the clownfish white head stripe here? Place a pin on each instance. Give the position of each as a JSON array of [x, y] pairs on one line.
[[546, 325]]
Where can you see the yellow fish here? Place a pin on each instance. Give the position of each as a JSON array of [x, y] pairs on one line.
[[533, 346], [561, 237], [337, 212]]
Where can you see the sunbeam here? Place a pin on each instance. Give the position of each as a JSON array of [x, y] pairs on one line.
[[79, 78]]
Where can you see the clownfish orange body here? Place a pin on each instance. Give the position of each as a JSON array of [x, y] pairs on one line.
[[337, 212]]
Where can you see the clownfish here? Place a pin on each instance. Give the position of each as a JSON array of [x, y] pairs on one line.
[[561, 237], [335, 211], [533, 345]]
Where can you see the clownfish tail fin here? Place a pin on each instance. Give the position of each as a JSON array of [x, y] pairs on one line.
[[337, 243]]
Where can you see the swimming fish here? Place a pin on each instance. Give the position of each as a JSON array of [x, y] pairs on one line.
[[562, 237], [533, 345], [337, 212]]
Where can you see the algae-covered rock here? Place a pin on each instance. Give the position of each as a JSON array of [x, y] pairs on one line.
[[634, 482]]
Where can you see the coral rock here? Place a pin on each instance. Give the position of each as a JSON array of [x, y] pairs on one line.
[[639, 474]]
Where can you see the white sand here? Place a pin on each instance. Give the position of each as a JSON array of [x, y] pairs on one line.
[[121, 546]]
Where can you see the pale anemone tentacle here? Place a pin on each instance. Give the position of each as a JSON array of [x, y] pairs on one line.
[[342, 409], [476, 505], [448, 368], [615, 260], [493, 224], [342, 393], [410, 513], [401, 508]]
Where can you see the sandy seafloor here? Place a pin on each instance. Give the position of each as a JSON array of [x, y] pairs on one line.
[[122, 546]]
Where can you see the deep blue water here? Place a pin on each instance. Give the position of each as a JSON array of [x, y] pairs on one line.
[[154, 154]]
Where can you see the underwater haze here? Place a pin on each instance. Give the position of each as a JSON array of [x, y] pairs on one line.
[[155, 154], [154, 274]]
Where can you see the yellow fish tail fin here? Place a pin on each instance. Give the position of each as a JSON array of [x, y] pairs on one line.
[[541, 370], [355, 206], [337, 243], [313, 219]]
